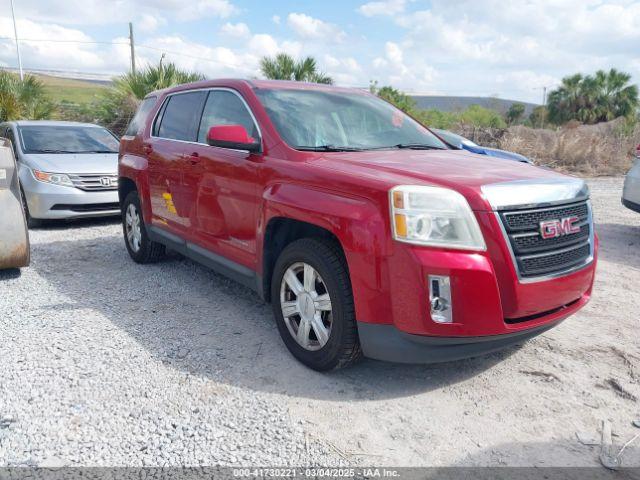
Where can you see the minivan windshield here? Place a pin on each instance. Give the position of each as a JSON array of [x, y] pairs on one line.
[[67, 139], [324, 120]]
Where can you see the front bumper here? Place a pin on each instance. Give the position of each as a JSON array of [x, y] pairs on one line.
[[48, 201], [631, 189], [387, 343]]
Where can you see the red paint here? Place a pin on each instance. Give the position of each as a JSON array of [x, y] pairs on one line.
[[225, 202], [229, 133]]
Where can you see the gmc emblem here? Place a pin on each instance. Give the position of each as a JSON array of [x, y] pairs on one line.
[[558, 228]]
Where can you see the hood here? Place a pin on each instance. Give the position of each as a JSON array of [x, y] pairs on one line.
[[78, 163], [496, 152], [459, 170]]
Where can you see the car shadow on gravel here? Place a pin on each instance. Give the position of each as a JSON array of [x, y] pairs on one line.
[[620, 243], [10, 274], [197, 321], [52, 225]]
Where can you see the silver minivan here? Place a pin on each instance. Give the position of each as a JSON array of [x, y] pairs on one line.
[[631, 190], [66, 169]]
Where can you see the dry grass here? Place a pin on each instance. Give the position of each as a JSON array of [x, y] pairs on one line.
[[602, 149]]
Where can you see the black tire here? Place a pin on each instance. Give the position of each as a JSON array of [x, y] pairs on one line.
[[31, 222], [343, 346], [148, 251]]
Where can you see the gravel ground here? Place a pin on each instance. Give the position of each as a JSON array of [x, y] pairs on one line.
[[107, 363]]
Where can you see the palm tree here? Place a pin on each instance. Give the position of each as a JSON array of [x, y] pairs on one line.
[[23, 99], [601, 97], [118, 103], [285, 67], [562, 102], [153, 77]]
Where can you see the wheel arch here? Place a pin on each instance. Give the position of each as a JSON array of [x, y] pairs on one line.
[[282, 231], [133, 176], [356, 224], [125, 187]]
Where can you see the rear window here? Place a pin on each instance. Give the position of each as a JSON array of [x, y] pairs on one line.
[[181, 116], [139, 119]]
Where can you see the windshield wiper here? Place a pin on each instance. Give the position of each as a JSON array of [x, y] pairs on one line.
[[416, 146], [329, 148], [51, 151], [99, 151]]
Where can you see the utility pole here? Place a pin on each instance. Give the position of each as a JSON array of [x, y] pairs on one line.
[[133, 48], [15, 32], [544, 104]]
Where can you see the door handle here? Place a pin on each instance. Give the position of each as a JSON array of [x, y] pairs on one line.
[[193, 159], [147, 149]]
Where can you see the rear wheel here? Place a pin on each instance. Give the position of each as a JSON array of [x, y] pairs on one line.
[[140, 247], [313, 305]]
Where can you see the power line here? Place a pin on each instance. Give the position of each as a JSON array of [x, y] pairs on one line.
[[162, 50], [65, 41], [195, 57]]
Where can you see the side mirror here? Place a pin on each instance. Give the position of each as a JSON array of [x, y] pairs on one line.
[[232, 136]]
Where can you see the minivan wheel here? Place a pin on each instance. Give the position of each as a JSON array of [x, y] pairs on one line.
[[31, 222], [140, 247], [313, 304]]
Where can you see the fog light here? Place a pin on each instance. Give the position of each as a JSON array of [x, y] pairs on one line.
[[440, 299]]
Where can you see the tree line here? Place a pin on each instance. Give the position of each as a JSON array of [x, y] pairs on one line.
[[587, 99]]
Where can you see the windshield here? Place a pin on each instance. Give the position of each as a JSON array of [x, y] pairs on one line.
[[330, 120], [67, 139]]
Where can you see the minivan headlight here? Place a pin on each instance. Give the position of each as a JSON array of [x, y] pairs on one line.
[[55, 178], [434, 216]]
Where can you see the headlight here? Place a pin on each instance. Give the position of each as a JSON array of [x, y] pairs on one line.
[[434, 216], [55, 178]]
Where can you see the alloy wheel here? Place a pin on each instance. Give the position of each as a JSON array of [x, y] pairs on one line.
[[133, 227], [306, 306]]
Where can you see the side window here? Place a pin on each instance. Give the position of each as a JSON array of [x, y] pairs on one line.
[[181, 115], [139, 119], [225, 108]]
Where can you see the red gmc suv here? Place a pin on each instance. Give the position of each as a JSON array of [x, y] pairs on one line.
[[368, 234]]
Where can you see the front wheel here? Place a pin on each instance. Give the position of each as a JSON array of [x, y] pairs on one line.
[[31, 222], [140, 247], [313, 305]]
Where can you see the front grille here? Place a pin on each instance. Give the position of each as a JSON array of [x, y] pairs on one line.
[[536, 256], [91, 182], [530, 219]]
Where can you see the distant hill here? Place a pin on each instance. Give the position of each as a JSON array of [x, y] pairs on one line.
[[455, 104]]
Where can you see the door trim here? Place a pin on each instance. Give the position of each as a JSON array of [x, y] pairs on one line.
[[235, 271]]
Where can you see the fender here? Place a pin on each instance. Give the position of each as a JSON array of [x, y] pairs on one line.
[[358, 225], [136, 169]]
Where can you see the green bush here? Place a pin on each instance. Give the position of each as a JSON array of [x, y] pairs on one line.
[[482, 117], [474, 115], [23, 99], [435, 118]]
